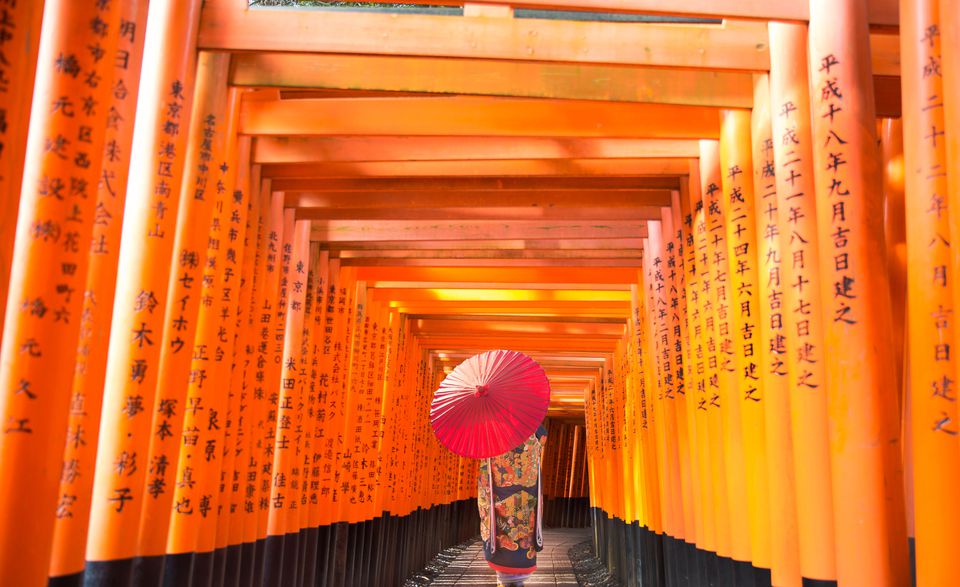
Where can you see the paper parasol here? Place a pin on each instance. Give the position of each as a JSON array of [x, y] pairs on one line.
[[490, 404]]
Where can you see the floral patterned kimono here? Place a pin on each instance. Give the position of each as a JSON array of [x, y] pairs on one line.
[[509, 492]]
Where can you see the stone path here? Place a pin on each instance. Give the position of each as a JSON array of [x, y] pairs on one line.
[[553, 564]]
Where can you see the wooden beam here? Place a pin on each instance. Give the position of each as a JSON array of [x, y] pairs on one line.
[[477, 116], [535, 310], [437, 257], [879, 12], [401, 230], [636, 263], [515, 243], [495, 285], [326, 76], [270, 149], [497, 295], [512, 201], [442, 75], [506, 275], [519, 343], [511, 328], [491, 169], [536, 319], [481, 213], [734, 45], [558, 185]]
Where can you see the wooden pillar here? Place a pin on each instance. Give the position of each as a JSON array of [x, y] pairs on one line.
[[207, 144], [153, 195], [931, 270], [864, 432], [238, 506], [676, 322], [195, 491], [76, 478], [235, 203], [802, 303], [711, 405], [727, 400], [267, 368], [278, 427], [694, 229], [784, 553], [50, 256], [891, 142], [736, 160], [19, 44], [655, 258]]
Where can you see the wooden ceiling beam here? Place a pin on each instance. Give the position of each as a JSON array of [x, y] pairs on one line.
[[506, 275], [477, 116], [881, 13], [397, 297], [460, 262], [519, 343], [509, 328], [557, 185], [379, 76], [516, 243], [273, 149], [405, 230], [497, 255], [500, 202], [734, 45], [464, 213], [443, 75], [569, 319], [495, 286], [506, 168]]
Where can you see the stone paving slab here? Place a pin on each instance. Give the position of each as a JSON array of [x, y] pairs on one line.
[[553, 565]]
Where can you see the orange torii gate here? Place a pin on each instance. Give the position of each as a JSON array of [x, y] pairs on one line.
[[240, 247]]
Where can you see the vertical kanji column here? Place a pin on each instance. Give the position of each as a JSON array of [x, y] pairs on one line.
[[785, 562], [19, 44], [79, 458], [153, 195], [736, 159], [710, 280], [931, 271], [803, 307], [861, 388], [55, 221], [207, 142], [727, 401]]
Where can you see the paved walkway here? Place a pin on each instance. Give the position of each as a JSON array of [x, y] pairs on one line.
[[553, 565]]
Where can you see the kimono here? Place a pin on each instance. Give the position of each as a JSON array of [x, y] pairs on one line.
[[509, 493]]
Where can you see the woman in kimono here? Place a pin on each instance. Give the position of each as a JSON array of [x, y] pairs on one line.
[[510, 501]]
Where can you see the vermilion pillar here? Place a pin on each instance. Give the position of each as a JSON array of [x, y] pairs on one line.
[[47, 277], [802, 309], [76, 477], [192, 518], [697, 368], [931, 271], [736, 162], [711, 402], [153, 195], [727, 400], [785, 561], [676, 322], [207, 135], [19, 43], [667, 442], [864, 434]]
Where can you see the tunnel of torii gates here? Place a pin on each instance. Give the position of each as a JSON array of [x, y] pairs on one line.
[[240, 247]]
